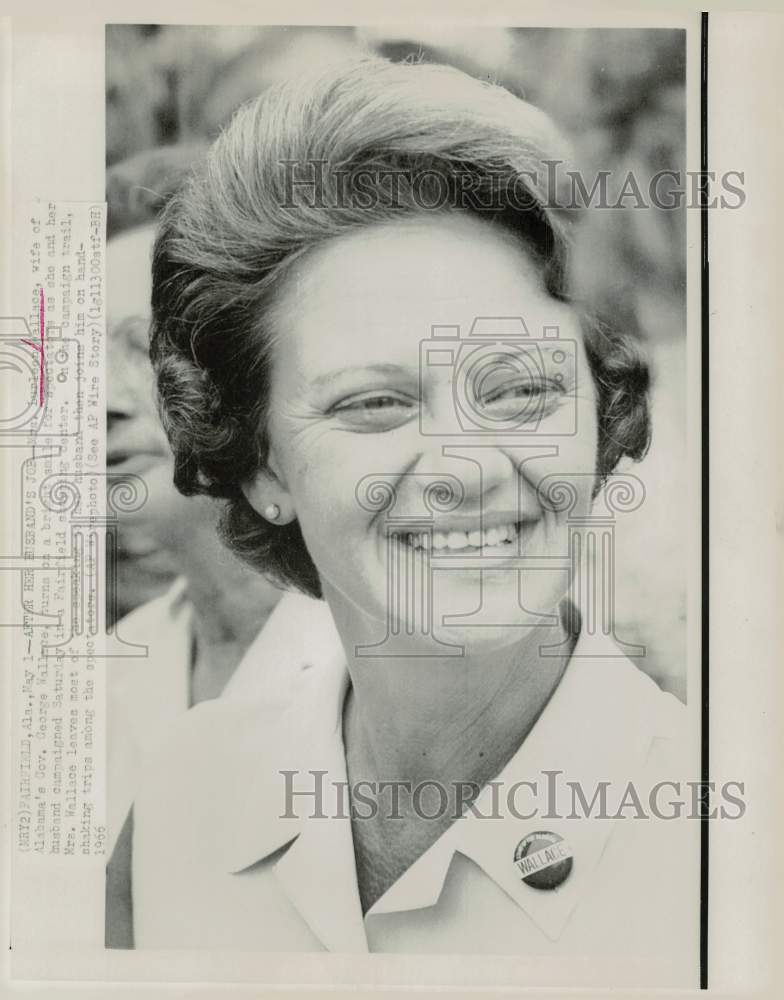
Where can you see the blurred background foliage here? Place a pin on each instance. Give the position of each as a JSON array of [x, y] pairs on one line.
[[619, 94]]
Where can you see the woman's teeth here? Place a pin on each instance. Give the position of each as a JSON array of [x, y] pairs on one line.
[[504, 533]]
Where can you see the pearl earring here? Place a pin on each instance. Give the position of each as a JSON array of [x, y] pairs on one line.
[[272, 512]]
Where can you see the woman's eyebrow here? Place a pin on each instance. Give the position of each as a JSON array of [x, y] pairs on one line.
[[375, 369]]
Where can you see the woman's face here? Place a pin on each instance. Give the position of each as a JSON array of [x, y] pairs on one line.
[[362, 388]]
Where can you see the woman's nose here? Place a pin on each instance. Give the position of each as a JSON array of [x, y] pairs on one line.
[[482, 468], [120, 399]]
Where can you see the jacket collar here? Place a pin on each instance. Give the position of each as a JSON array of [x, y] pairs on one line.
[[597, 727], [575, 740], [316, 866]]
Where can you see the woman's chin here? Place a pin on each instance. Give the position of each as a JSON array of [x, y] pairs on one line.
[[460, 619], [452, 611], [479, 640]]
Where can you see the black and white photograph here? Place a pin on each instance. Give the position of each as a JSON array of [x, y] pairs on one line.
[[397, 345], [388, 417]]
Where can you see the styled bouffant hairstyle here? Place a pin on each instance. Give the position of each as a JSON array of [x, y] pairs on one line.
[[355, 145]]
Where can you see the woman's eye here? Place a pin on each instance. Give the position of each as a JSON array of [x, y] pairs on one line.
[[534, 396], [378, 412], [524, 391]]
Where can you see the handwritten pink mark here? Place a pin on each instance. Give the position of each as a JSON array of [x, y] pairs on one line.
[[39, 348]]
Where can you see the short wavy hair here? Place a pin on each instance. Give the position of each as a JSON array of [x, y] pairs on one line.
[[304, 163]]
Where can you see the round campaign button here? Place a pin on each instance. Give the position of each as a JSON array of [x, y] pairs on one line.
[[543, 860]]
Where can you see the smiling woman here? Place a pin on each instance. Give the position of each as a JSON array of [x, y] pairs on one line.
[[394, 390], [215, 301]]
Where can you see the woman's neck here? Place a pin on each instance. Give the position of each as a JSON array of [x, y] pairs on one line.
[[450, 719], [437, 730]]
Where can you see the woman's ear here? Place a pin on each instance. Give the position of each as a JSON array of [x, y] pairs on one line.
[[269, 498]]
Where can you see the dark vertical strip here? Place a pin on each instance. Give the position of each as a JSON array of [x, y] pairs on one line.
[[705, 427]]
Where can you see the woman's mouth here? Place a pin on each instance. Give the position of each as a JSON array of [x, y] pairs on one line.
[[503, 535]]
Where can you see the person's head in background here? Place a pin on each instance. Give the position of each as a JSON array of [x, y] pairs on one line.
[[136, 444], [154, 540], [147, 559], [169, 536]]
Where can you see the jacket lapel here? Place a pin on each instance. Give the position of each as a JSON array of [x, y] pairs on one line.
[[316, 869]]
